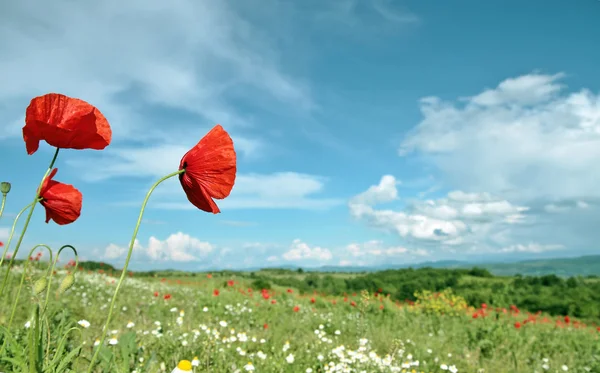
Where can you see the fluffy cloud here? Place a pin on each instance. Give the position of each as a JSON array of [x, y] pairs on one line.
[[526, 142], [530, 248], [302, 251], [178, 247], [527, 138], [458, 219], [375, 248]]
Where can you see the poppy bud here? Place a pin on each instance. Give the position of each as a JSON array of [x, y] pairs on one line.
[[40, 285], [66, 283], [5, 187]]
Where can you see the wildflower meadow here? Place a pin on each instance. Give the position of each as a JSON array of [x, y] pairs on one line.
[[58, 314]]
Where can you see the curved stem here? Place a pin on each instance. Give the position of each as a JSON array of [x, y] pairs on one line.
[[51, 274], [12, 232], [124, 271], [16, 301], [2, 206], [35, 200]]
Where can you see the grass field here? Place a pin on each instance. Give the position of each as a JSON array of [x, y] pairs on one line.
[[222, 325]]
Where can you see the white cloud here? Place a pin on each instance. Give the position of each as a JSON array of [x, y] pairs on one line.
[[199, 53], [530, 248], [3, 235], [385, 191], [452, 220], [301, 251], [178, 247], [376, 248], [527, 138]]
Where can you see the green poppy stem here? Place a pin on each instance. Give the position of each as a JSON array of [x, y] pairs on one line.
[[3, 203], [16, 301], [51, 271], [124, 271], [33, 204], [12, 232]]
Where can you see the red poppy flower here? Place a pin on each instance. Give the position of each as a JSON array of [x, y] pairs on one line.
[[216, 292], [210, 169], [64, 122], [296, 308], [517, 325], [61, 201], [167, 296]]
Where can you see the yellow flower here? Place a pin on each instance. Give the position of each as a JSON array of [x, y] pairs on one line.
[[184, 366]]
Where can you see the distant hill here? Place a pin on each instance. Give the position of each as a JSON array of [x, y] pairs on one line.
[[564, 267]]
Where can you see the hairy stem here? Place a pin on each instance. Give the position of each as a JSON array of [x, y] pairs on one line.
[[33, 204], [124, 271]]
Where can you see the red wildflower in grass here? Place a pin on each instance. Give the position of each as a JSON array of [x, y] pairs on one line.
[[156, 293], [61, 201], [312, 300], [381, 307], [483, 306], [333, 302], [517, 325], [30, 258], [230, 283], [216, 292], [210, 169], [296, 308], [353, 304], [290, 291], [475, 315], [166, 297], [567, 319], [1, 243], [598, 328], [209, 276], [345, 299], [273, 301], [64, 122], [265, 326]]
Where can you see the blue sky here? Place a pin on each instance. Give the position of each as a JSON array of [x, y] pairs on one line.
[[367, 132]]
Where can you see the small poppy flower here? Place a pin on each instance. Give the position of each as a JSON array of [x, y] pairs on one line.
[[209, 276], [210, 169], [156, 293], [296, 308], [1, 243], [167, 296], [517, 325], [230, 283], [265, 326], [312, 300], [64, 122], [216, 292], [61, 201]]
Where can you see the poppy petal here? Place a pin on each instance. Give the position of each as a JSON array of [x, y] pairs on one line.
[[65, 122], [210, 169], [62, 201]]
